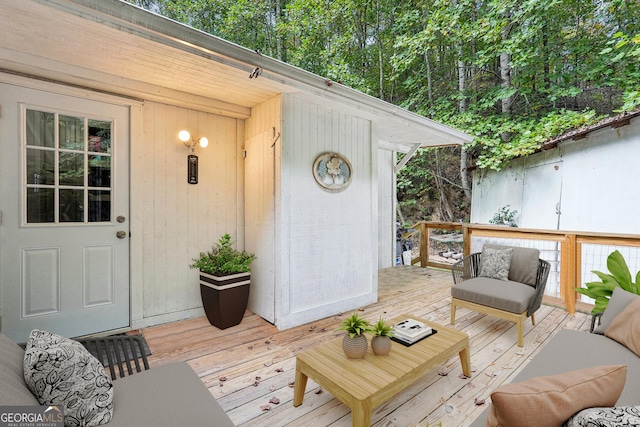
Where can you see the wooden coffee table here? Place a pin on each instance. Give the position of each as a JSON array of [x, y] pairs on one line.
[[363, 384]]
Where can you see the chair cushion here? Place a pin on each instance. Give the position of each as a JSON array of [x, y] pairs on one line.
[[13, 389], [619, 300], [60, 371], [524, 263], [494, 263], [504, 295], [625, 327], [551, 400]]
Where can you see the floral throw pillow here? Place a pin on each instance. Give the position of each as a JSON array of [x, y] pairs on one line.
[[495, 263], [60, 371], [605, 417]]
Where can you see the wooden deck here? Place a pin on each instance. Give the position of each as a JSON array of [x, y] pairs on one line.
[[248, 365]]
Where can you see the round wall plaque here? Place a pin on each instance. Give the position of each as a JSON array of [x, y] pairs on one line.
[[332, 171]]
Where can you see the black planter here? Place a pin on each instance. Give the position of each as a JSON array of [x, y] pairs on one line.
[[225, 298]]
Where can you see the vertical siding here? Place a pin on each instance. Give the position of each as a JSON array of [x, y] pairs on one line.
[[171, 220], [386, 208], [262, 238], [332, 237]]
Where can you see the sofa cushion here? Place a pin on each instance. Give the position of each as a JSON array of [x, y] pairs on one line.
[[503, 295], [13, 389], [551, 400], [625, 327], [619, 300], [167, 395], [524, 263], [60, 371], [580, 349], [606, 417], [494, 263]]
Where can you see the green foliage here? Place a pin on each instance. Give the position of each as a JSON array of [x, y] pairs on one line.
[[382, 329], [355, 325], [619, 275], [223, 259], [504, 216], [569, 63]]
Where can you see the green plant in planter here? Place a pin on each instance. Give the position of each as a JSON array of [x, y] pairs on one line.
[[355, 325], [223, 259], [382, 329], [619, 276]]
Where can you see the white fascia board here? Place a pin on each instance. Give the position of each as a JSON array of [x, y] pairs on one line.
[[142, 23]]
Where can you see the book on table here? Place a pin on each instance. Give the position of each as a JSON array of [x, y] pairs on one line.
[[410, 331]]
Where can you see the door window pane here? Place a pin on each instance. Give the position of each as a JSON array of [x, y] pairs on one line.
[[99, 206], [40, 130], [71, 169], [40, 166], [99, 136], [68, 172], [40, 205], [99, 171], [71, 132], [71, 205]]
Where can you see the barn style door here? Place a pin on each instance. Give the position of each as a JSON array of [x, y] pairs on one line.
[[64, 250], [260, 222]]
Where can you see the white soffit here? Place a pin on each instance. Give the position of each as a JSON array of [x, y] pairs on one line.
[[111, 45]]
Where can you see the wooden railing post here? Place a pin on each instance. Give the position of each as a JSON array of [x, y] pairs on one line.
[[568, 272]]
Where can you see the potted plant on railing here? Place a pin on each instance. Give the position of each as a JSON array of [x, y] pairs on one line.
[[225, 277], [354, 343], [381, 341]]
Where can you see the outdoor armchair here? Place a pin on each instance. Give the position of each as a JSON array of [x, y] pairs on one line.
[[513, 296]]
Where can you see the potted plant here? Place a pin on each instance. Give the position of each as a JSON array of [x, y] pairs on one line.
[[619, 276], [354, 343], [381, 341], [225, 276]]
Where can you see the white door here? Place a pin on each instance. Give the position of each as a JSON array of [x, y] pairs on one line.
[[64, 199], [260, 223], [541, 197]]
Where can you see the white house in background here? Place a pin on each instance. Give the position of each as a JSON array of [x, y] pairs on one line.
[[585, 180], [99, 221]]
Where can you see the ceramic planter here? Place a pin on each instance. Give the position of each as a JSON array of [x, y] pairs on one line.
[[356, 347], [381, 345], [225, 298]]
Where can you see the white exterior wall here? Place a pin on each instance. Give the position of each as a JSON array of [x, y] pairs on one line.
[[171, 220], [591, 181], [386, 208], [328, 240]]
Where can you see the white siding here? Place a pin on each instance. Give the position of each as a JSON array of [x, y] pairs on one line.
[[171, 220], [386, 208], [262, 236], [328, 239], [593, 180]]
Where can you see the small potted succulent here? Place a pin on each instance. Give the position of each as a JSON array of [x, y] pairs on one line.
[[354, 343], [225, 276], [381, 341]]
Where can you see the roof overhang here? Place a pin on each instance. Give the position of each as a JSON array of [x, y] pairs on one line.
[[113, 46]]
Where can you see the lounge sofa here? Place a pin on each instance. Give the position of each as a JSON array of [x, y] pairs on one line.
[[571, 350], [168, 395]]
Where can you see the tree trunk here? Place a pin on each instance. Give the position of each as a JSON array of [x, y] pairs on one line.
[[429, 78], [505, 73]]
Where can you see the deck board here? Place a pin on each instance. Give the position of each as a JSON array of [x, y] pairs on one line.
[[258, 360]]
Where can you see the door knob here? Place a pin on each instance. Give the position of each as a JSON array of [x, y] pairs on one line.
[[121, 234]]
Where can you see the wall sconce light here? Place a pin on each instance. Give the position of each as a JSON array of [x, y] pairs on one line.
[[192, 159], [190, 142]]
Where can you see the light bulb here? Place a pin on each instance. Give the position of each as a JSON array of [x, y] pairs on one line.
[[184, 135], [204, 142]]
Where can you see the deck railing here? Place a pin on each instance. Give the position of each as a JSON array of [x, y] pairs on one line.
[[572, 254]]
